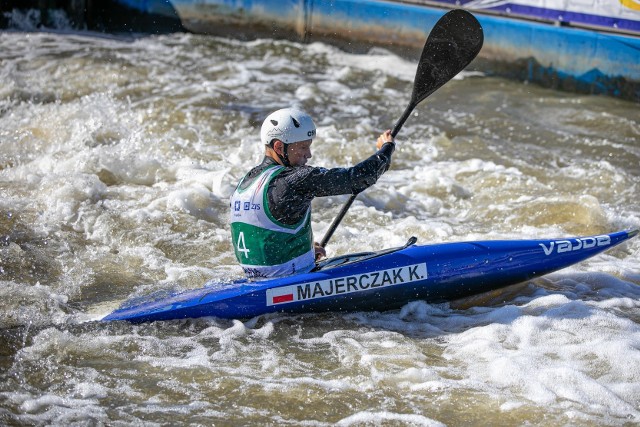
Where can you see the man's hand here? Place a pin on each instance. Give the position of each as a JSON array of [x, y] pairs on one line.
[[384, 138], [320, 252]]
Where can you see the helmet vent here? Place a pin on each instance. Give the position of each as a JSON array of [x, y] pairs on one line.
[[295, 122], [274, 122]]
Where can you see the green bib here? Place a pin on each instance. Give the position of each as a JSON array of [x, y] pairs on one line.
[[264, 246]]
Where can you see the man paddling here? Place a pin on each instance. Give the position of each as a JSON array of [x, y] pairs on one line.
[[271, 206]]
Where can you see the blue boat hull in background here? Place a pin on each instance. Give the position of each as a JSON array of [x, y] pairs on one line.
[[381, 281]]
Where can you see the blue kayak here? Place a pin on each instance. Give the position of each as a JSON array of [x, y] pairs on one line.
[[379, 281]]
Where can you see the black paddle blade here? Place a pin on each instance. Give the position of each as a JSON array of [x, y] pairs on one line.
[[453, 43]]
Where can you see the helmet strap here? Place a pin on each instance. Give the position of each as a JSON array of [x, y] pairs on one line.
[[285, 156], [284, 159]]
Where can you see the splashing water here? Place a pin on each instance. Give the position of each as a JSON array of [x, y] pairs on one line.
[[117, 158]]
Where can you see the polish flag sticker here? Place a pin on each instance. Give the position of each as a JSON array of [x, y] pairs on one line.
[[279, 298]]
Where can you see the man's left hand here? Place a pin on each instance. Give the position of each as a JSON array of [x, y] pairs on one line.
[[320, 251]]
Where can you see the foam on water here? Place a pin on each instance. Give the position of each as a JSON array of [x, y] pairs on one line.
[[511, 355], [117, 159]]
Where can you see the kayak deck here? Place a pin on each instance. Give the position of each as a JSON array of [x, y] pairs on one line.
[[378, 281]]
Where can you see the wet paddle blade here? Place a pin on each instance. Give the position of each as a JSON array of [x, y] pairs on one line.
[[453, 43]]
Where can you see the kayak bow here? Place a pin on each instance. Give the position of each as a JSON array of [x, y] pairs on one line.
[[378, 281]]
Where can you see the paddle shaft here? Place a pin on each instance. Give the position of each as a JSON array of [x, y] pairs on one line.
[[345, 208]]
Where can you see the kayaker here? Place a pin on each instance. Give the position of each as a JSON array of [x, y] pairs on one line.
[[271, 206]]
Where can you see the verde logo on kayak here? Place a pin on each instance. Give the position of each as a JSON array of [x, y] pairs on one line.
[[347, 284], [560, 246]]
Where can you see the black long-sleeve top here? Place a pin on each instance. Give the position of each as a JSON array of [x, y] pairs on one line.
[[290, 193]]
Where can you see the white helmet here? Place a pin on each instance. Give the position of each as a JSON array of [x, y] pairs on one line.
[[289, 125]]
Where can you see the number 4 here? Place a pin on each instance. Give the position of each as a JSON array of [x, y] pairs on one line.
[[241, 246]]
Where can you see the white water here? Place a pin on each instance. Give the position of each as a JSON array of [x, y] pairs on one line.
[[117, 158]]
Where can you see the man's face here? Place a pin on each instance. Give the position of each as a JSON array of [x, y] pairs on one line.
[[299, 153]]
